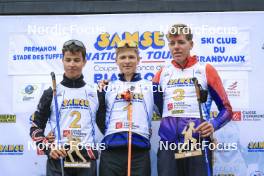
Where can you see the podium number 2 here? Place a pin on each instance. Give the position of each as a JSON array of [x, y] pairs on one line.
[[77, 117]]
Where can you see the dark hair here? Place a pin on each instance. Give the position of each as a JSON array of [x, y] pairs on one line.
[[180, 29], [74, 46]]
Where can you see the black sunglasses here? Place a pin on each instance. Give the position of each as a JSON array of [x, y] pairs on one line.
[[73, 42]]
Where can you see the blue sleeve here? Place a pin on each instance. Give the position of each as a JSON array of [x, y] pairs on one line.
[[158, 97]]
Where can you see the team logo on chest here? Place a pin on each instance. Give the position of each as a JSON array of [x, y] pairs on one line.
[[75, 103]]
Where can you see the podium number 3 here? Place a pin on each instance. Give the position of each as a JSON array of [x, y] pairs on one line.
[[179, 94]]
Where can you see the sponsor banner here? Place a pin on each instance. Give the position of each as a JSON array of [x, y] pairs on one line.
[[248, 116], [236, 87], [243, 115], [16, 149], [253, 115], [224, 50], [35, 47], [238, 162], [34, 54], [27, 91], [33, 50], [245, 130]]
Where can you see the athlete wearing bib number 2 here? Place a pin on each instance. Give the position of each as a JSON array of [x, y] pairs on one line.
[[77, 104], [181, 109]]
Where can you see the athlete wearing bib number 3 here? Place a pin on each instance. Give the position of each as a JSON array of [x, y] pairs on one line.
[[181, 108]]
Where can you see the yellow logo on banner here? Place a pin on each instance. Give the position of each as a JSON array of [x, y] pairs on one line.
[[256, 145], [7, 118], [11, 149], [145, 40]]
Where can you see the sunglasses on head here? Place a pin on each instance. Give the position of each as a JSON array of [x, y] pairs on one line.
[[127, 43], [74, 42]]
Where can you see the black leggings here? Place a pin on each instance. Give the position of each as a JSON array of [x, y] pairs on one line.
[[114, 162]]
